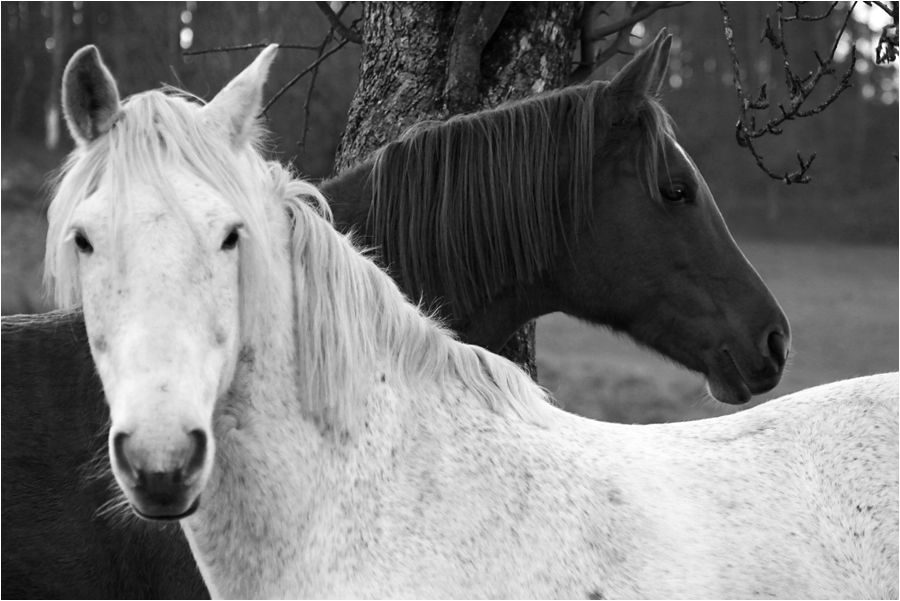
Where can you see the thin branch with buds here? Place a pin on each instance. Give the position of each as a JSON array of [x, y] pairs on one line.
[[799, 89], [886, 50]]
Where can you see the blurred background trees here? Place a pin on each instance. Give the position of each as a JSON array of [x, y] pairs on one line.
[[852, 196]]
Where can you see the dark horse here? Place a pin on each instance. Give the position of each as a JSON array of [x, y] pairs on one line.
[[578, 201]]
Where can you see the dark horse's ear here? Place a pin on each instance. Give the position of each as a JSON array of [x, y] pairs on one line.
[[644, 74], [90, 98]]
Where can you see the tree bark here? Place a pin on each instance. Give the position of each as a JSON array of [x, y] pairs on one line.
[[411, 70]]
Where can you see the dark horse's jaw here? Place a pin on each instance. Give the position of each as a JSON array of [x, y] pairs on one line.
[[729, 384], [726, 384]]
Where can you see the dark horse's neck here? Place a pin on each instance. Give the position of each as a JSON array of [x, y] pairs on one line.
[[350, 195], [491, 325]]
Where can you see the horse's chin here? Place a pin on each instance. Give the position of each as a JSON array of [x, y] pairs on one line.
[[169, 513], [725, 383]]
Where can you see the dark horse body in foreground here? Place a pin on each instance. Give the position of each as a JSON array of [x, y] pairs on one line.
[[578, 201]]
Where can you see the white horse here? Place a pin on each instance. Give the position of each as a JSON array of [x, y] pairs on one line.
[[317, 435]]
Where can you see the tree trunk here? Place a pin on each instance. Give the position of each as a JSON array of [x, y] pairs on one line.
[[417, 58]]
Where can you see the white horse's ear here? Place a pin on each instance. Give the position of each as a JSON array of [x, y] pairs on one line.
[[90, 98], [238, 105], [644, 74]]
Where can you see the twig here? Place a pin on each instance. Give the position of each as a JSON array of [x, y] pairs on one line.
[[798, 17], [589, 47], [247, 47], [639, 12], [297, 77], [615, 48], [799, 90], [887, 49], [337, 26], [592, 56], [309, 90]]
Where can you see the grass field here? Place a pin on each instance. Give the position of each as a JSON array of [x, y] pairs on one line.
[[842, 302]]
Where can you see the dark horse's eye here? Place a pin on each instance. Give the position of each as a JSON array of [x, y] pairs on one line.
[[83, 244], [231, 240], [675, 193]]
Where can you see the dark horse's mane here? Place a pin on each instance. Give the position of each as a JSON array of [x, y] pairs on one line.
[[485, 195]]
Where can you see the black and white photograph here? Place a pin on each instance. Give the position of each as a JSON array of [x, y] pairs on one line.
[[432, 300]]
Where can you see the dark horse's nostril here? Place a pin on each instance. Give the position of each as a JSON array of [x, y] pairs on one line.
[[778, 348]]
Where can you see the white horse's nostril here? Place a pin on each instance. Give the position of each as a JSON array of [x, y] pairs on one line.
[[197, 457], [121, 461]]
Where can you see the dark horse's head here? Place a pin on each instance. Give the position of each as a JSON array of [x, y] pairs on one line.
[[655, 260], [581, 201]]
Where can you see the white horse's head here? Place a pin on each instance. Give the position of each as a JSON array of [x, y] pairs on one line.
[[152, 230]]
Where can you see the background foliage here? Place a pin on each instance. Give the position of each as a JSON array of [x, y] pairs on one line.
[[853, 195]]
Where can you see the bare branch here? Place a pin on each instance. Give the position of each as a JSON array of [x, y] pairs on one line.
[[799, 90], [639, 12], [798, 17], [592, 56], [887, 49], [589, 48], [337, 25], [880, 5], [617, 46], [475, 24], [309, 90], [248, 47], [312, 67], [348, 35]]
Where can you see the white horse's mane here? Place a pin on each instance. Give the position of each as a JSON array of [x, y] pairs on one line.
[[349, 313]]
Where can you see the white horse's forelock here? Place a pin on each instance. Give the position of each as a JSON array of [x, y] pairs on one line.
[[155, 133], [350, 313]]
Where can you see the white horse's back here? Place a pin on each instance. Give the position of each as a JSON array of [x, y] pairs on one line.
[[787, 500], [797, 497]]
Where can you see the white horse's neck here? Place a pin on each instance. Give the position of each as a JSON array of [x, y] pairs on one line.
[[284, 473], [261, 404]]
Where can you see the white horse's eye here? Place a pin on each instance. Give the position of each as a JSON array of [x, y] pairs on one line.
[[84, 245], [231, 240]]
